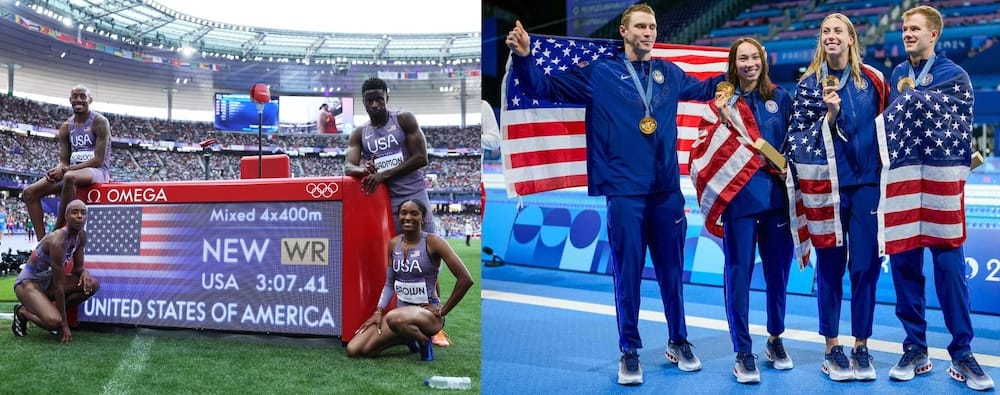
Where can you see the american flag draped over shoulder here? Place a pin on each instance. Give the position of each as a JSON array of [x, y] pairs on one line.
[[544, 146], [926, 151], [812, 185], [722, 162]]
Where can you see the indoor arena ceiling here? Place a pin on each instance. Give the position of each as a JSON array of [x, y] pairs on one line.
[[147, 24]]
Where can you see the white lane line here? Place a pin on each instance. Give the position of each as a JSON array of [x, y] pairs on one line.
[[721, 325], [133, 361]]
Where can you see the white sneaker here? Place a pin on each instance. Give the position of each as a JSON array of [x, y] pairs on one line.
[[746, 368], [836, 366], [629, 369], [861, 363], [775, 352], [681, 354], [967, 369], [913, 362]]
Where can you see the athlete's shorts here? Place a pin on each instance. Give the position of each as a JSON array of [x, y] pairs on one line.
[[433, 301], [44, 279], [99, 175], [423, 198]]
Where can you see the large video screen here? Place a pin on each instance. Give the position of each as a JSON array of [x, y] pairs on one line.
[[272, 267], [304, 114], [236, 112]]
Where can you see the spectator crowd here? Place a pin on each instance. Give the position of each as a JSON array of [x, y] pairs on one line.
[[454, 152]]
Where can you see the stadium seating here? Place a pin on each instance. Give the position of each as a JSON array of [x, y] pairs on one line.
[[143, 149], [789, 29]]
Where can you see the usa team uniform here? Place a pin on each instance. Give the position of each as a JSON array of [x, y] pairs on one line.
[[638, 173], [949, 261], [386, 146], [857, 174], [83, 142], [758, 217]]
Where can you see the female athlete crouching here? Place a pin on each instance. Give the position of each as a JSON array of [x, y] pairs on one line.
[[44, 278], [416, 259]]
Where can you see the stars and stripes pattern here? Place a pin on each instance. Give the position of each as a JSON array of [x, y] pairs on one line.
[[722, 162], [544, 146], [813, 186], [812, 181], [128, 242], [926, 149]]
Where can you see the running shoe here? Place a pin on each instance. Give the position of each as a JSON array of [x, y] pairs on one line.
[[967, 369], [629, 368], [836, 366], [427, 351], [681, 354], [861, 362], [775, 352], [441, 339], [913, 362], [19, 326], [746, 368]]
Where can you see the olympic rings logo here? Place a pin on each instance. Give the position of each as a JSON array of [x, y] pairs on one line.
[[322, 190]]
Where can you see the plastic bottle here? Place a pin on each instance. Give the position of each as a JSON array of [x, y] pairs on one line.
[[453, 383]]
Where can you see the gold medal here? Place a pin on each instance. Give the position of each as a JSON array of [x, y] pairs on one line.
[[726, 88], [831, 81], [905, 83], [647, 125]]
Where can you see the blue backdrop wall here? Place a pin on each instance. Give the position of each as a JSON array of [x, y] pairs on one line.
[[567, 230]]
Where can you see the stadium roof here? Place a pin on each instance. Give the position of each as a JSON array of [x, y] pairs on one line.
[[144, 24]]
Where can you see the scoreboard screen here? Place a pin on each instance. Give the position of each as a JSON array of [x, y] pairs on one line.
[[236, 112], [300, 113], [273, 267]]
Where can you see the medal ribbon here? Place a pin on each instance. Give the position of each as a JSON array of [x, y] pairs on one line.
[[736, 95], [647, 94], [923, 72], [843, 82]]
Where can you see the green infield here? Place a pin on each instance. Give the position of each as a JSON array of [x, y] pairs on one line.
[[189, 362]]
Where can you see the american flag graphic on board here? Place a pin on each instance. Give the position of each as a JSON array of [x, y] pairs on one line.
[[813, 188], [157, 242], [544, 145], [927, 144]]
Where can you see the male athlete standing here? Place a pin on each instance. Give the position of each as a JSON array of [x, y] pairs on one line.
[[932, 76], [84, 159], [631, 103]]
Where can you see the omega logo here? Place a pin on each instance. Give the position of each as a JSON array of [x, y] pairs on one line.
[[127, 195]]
